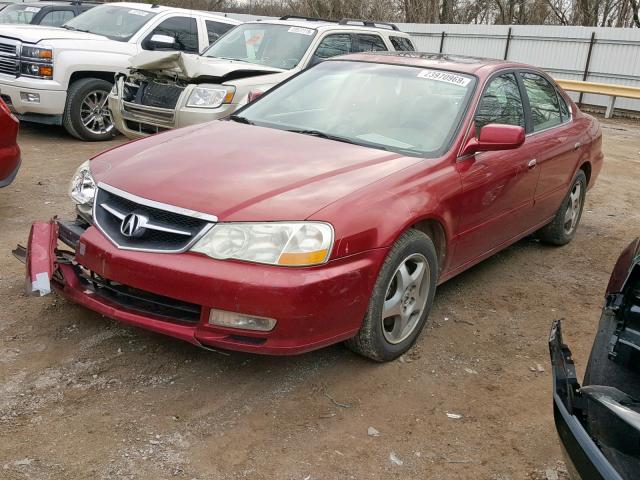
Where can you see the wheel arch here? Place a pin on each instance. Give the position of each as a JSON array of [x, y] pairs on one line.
[[585, 166], [101, 75]]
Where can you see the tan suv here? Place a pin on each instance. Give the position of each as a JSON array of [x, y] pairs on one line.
[[165, 90]]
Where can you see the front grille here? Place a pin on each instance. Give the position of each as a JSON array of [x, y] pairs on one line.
[[9, 60], [139, 301], [167, 228], [144, 128], [137, 113], [159, 95]]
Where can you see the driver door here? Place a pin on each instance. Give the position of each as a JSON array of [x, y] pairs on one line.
[[498, 187]]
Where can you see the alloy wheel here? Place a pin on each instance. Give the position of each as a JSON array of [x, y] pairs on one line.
[[405, 299], [95, 114], [572, 215]]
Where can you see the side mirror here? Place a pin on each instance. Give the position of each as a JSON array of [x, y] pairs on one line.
[[253, 94], [161, 42], [495, 137]]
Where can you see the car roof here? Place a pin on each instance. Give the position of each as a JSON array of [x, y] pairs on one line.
[[153, 8], [48, 3], [455, 63], [324, 25]]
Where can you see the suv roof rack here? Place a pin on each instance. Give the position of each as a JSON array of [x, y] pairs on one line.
[[369, 23], [308, 19]]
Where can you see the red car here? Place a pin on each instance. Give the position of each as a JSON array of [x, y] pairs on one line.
[[328, 209], [9, 150]]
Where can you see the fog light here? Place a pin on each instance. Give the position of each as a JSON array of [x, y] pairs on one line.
[[30, 97], [238, 320]]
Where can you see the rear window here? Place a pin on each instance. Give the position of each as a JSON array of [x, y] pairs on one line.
[[370, 43], [402, 44]]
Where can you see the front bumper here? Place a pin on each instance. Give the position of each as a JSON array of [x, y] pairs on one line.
[[314, 307], [139, 121], [49, 109], [585, 461]]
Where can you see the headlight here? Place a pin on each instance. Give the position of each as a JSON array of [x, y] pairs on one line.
[[36, 70], [82, 188], [292, 244], [37, 53], [205, 97]]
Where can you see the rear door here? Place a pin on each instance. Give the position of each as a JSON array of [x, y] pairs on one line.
[[498, 187], [554, 137]]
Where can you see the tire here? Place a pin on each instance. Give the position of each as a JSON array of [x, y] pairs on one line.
[[397, 285], [562, 229], [87, 99]]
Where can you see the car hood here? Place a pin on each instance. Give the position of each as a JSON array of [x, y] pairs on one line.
[[36, 33], [190, 67], [244, 173]]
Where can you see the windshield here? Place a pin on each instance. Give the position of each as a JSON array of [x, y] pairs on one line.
[[18, 14], [409, 110], [278, 46], [117, 23]]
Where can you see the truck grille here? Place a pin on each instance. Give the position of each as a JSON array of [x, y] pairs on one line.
[[150, 115], [9, 60], [153, 94], [135, 223]]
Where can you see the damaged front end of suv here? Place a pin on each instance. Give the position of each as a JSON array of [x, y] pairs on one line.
[[166, 90]]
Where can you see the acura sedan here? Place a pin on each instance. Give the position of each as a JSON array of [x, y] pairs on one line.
[[328, 209]]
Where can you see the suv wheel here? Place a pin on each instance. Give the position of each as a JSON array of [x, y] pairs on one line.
[[401, 300], [87, 115]]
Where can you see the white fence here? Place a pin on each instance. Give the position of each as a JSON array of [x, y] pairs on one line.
[[597, 54]]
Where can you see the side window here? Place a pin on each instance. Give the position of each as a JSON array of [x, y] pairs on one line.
[[216, 29], [501, 103], [184, 30], [55, 18], [543, 98], [370, 43], [332, 45], [564, 109], [402, 44]]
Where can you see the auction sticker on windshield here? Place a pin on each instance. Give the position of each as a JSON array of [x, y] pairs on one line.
[[447, 77], [301, 30]]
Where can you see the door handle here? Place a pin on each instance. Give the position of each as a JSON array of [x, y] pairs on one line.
[[532, 163]]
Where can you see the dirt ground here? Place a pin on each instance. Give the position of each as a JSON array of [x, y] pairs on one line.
[[83, 397]]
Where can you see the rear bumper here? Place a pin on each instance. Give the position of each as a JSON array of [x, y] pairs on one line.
[[314, 307], [585, 461]]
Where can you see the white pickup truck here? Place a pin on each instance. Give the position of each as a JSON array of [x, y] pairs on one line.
[[63, 76]]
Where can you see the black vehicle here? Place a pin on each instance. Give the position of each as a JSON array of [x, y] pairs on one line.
[[50, 14], [599, 423]]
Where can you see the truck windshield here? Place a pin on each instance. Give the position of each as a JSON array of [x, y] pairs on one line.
[[409, 110], [115, 22], [277, 46], [18, 14]]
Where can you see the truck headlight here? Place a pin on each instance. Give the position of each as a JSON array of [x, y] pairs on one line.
[[39, 53], [207, 97], [82, 189], [36, 62], [290, 244]]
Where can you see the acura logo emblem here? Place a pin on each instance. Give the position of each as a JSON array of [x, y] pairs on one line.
[[133, 225]]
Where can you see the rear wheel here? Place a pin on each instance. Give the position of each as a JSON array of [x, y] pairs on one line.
[[563, 227], [401, 300], [87, 115]]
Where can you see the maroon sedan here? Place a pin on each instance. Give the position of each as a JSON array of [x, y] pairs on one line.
[[327, 210], [9, 150]]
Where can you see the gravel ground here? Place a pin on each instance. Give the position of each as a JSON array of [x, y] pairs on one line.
[[84, 397]]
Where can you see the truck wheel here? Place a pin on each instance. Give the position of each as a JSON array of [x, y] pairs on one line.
[[563, 227], [401, 300], [86, 114]]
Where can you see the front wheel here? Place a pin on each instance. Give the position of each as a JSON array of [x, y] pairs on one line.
[[87, 114], [563, 227], [401, 300]]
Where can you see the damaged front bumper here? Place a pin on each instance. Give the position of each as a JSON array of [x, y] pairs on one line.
[[173, 294], [582, 446], [137, 120]]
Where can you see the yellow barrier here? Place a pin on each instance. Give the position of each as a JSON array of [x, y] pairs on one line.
[[613, 91]]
